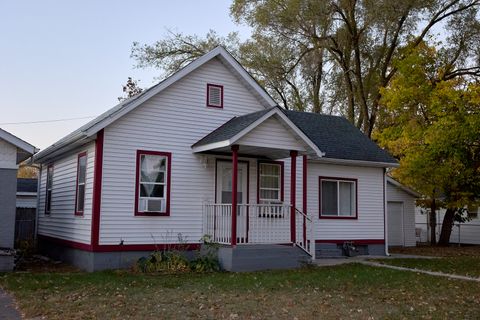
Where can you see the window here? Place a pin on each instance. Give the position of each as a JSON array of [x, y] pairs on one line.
[[48, 192], [214, 96], [81, 177], [153, 183], [270, 182], [338, 198]]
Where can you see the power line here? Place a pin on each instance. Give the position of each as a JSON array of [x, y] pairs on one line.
[[45, 121]]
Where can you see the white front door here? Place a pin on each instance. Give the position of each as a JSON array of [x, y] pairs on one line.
[[224, 194], [224, 182]]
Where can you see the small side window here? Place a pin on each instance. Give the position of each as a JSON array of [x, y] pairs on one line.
[[48, 189], [81, 179], [214, 96]]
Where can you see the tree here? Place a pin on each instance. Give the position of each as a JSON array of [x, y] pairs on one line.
[[432, 124], [130, 89], [332, 56]]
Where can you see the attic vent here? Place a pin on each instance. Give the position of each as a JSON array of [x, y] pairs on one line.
[[214, 96]]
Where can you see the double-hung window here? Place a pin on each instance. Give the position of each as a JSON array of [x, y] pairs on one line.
[[153, 183], [270, 182], [81, 179], [48, 189], [338, 198]]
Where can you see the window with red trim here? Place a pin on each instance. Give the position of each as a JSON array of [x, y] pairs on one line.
[[152, 196], [338, 198], [270, 182], [48, 189], [214, 95], [81, 181]]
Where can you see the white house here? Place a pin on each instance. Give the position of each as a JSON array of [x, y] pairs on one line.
[[401, 214], [208, 152], [13, 150]]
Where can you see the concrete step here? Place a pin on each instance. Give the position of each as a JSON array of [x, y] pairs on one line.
[[328, 253]]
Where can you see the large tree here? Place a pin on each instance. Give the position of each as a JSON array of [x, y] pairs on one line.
[[432, 123], [333, 55]]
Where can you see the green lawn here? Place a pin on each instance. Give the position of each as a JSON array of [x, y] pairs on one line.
[[466, 266], [346, 291]]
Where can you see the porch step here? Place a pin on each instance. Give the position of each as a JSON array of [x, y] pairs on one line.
[[262, 257]]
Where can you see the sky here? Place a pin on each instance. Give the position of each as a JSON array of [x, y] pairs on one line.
[[69, 59]]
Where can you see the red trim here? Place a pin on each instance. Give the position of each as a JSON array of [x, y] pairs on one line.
[[117, 247], [304, 196], [221, 96], [282, 182], [355, 241], [234, 193], [293, 192], [97, 188], [78, 212], [45, 211], [320, 198], [137, 179]]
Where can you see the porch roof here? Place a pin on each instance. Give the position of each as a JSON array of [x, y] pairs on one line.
[[326, 137], [267, 133]]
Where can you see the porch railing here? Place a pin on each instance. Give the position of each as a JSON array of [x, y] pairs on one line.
[[258, 224]]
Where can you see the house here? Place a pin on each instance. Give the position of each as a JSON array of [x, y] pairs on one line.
[[26, 211], [401, 214], [208, 152], [462, 233], [13, 150]]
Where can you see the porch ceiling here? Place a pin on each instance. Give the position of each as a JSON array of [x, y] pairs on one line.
[[256, 152]]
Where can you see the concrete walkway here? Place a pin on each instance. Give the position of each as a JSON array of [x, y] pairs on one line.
[[432, 273], [364, 260], [7, 307]]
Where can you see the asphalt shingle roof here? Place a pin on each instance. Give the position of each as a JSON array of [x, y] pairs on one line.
[[338, 138], [231, 127], [333, 135]]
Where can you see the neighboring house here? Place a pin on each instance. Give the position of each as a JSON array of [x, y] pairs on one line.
[[208, 152], [13, 150], [401, 214], [26, 211], [464, 233]]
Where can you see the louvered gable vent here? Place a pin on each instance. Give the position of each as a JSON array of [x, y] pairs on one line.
[[214, 96]]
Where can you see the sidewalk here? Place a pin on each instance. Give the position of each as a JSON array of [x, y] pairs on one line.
[[7, 307]]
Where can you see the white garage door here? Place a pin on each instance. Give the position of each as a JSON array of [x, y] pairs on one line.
[[395, 223]]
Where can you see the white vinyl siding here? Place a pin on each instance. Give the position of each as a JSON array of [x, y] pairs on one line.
[[370, 222], [272, 134], [171, 122], [8, 155], [396, 195], [62, 222]]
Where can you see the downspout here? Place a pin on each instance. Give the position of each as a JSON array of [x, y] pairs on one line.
[[385, 221], [39, 183]]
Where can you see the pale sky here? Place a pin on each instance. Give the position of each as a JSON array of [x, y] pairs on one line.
[[68, 59]]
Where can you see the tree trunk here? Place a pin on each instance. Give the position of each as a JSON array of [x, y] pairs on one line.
[[433, 223], [447, 225]]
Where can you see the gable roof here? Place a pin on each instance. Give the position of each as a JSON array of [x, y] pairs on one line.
[[334, 137], [237, 127], [24, 149], [339, 139], [403, 187], [88, 131]]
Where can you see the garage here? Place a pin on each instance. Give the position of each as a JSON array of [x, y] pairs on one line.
[[400, 214], [396, 235]]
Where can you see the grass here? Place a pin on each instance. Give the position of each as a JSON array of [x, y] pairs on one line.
[[456, 260], [346, 291], [467, 266]]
